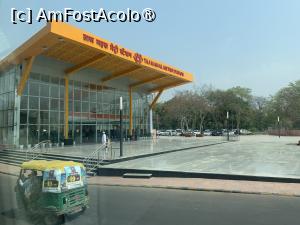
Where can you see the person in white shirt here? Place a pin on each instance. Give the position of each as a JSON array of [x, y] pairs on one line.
[[104, 142], [104, 138]]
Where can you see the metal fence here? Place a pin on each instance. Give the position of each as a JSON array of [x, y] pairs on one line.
[[231, 137]]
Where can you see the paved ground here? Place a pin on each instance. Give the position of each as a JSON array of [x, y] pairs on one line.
[[135, 206], [140, 147], [216, 185], [258, 155]]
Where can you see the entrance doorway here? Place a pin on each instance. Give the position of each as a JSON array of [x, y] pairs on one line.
[[88, 133]]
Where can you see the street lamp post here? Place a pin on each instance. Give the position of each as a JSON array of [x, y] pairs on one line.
[[227, 117], [278, 124], [121, 127]]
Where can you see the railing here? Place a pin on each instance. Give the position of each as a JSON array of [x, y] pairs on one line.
[[93, 160], [231, 137], [37, 150]]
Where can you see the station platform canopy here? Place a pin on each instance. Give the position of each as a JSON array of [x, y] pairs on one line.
[[82, 50]]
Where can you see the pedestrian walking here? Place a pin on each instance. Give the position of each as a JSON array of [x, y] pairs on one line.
[[104, 142]]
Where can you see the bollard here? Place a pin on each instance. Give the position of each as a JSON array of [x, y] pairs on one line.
[[62, 144], [29, 146], [21, 147]]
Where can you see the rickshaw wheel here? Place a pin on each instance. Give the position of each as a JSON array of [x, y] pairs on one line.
[[21, 205], [53, 219], [83, 209]]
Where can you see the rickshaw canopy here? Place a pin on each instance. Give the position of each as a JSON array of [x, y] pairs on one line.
[[43, 165]]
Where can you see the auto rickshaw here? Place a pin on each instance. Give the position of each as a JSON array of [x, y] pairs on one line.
[[52, 189]]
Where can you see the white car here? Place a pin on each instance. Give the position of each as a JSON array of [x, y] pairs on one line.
[[197, 132], [169, 132], [245, 132], [207, 133], [162, 133]]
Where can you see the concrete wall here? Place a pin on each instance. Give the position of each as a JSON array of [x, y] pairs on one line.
[[284, 132]]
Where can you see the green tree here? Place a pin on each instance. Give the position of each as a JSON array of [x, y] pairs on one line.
[[286, 105]]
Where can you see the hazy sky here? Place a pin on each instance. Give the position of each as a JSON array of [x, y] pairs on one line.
[[254, 43]]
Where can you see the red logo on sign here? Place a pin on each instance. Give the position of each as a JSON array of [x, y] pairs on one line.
[[138, 58]]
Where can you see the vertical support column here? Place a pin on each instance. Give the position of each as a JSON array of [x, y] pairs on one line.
[[25, 75], [155, 99], [130, 111], [66, 128], [16, 134], [121, 127], [150, 121], [16, 140]]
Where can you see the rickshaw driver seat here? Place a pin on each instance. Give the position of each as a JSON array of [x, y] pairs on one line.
[[32, 186]]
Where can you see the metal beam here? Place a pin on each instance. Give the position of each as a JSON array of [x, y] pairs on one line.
[[135, 85], [84, 64], [120, 74], [25, 75], [130, 112], [155, 99], [66, 128], [174, 84]]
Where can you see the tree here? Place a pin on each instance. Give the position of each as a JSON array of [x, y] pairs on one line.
[[286, 104], [207, 107], [187, 106], [241, 104]]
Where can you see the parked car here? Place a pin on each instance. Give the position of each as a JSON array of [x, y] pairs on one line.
[[173, 133], [231, 132], [207, 132], [242, 132], [197, 132], [245, 132], [162, 133], [216, 133], [178, 132], [188, 134]]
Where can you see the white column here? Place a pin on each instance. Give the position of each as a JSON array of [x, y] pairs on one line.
[[16, 131], [150, 121]]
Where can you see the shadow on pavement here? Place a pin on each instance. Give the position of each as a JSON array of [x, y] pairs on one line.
[[15, 214], [20, 215]]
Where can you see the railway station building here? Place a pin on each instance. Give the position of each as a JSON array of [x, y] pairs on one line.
[[64, 84]]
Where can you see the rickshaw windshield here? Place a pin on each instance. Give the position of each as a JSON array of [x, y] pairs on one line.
[[28, 173]]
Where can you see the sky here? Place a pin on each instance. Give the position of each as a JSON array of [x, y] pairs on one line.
[[253, 43]]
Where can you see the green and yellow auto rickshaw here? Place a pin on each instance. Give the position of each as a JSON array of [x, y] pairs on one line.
[[52, 189]]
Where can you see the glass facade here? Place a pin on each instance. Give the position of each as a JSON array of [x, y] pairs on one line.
[[92, 110], [7, 106]]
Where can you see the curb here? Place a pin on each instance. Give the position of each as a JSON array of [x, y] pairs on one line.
[[198, 189], [182, 188], [118, 172], [10, 174]]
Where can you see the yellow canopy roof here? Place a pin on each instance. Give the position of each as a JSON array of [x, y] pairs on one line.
[[81, 49], [46, 165]]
